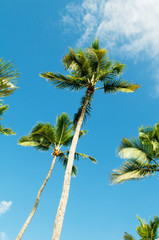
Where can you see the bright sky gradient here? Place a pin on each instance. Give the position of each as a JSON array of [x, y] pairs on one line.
[[35, 35]]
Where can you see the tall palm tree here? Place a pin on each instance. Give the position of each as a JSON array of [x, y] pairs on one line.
[[87, 68], [145, 231], [142, 154], [46, 137], [8, 77]]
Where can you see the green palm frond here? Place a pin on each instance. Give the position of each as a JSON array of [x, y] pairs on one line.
[[32, 141], [127, 236], [95, 44], [27, 141], [6, 131], [113, 86], [62, 81], [88, 110], [82, 155], [3, 108], [44, 133], [63, 130], [149, 133], [133, 169], [8, 77], [77, 63], [42, 137], [134, 148], [64, 159], [148, 231], [93, 60], [83, 133]]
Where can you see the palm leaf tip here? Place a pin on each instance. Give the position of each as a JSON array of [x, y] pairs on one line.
[[95, 44], [6, 131], [114, 86]]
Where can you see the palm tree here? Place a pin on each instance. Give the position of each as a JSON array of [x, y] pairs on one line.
[[142, 154], [87, 69], [8, 77], [46, 137], [145, 231]]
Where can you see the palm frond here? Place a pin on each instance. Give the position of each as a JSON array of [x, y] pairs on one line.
[[114, 86], [63, 129], [93, 61], [127, 236], [148, 231], [134, 148], [27, 141], [83, 133], [62, 81], [95, 44], [37, 143], [64, 159], [6, 131], [82, 155], [8, 77], [77, 63], [3, 108], [133, 169], [44, 133], [88, 110], [42, 137]]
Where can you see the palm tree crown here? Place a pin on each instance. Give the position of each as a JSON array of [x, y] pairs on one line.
[[89, 68], [145, 231], [142, 154], [45, 136]]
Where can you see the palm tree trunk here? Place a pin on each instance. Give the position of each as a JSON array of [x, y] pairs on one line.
[[36, 202], [67, 179]]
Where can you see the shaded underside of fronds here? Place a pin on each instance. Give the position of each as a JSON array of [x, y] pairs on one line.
[[88, 109], [133, 169], [6, 131], [134, 148], [61, 81], [116, 85]]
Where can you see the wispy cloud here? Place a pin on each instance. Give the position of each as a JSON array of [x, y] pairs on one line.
[[4, 206], [130, 26], [3, 236], [124, 27]]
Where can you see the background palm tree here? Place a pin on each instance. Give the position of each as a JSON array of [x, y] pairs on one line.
[[88, 68], [8, 77], [142, 154], [145, 231], [46, 137]]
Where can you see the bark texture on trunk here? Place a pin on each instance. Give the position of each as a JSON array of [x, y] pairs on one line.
[[36, 202], [67, 179]]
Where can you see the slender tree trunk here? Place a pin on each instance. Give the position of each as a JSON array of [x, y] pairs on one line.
[[67, 179], [36, 202]]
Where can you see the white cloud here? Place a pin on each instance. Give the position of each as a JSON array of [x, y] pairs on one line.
[[125, 27], [4, 206], [3, 236], [131, 25]]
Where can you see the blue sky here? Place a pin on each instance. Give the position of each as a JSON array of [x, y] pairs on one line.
[[35, 35]]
